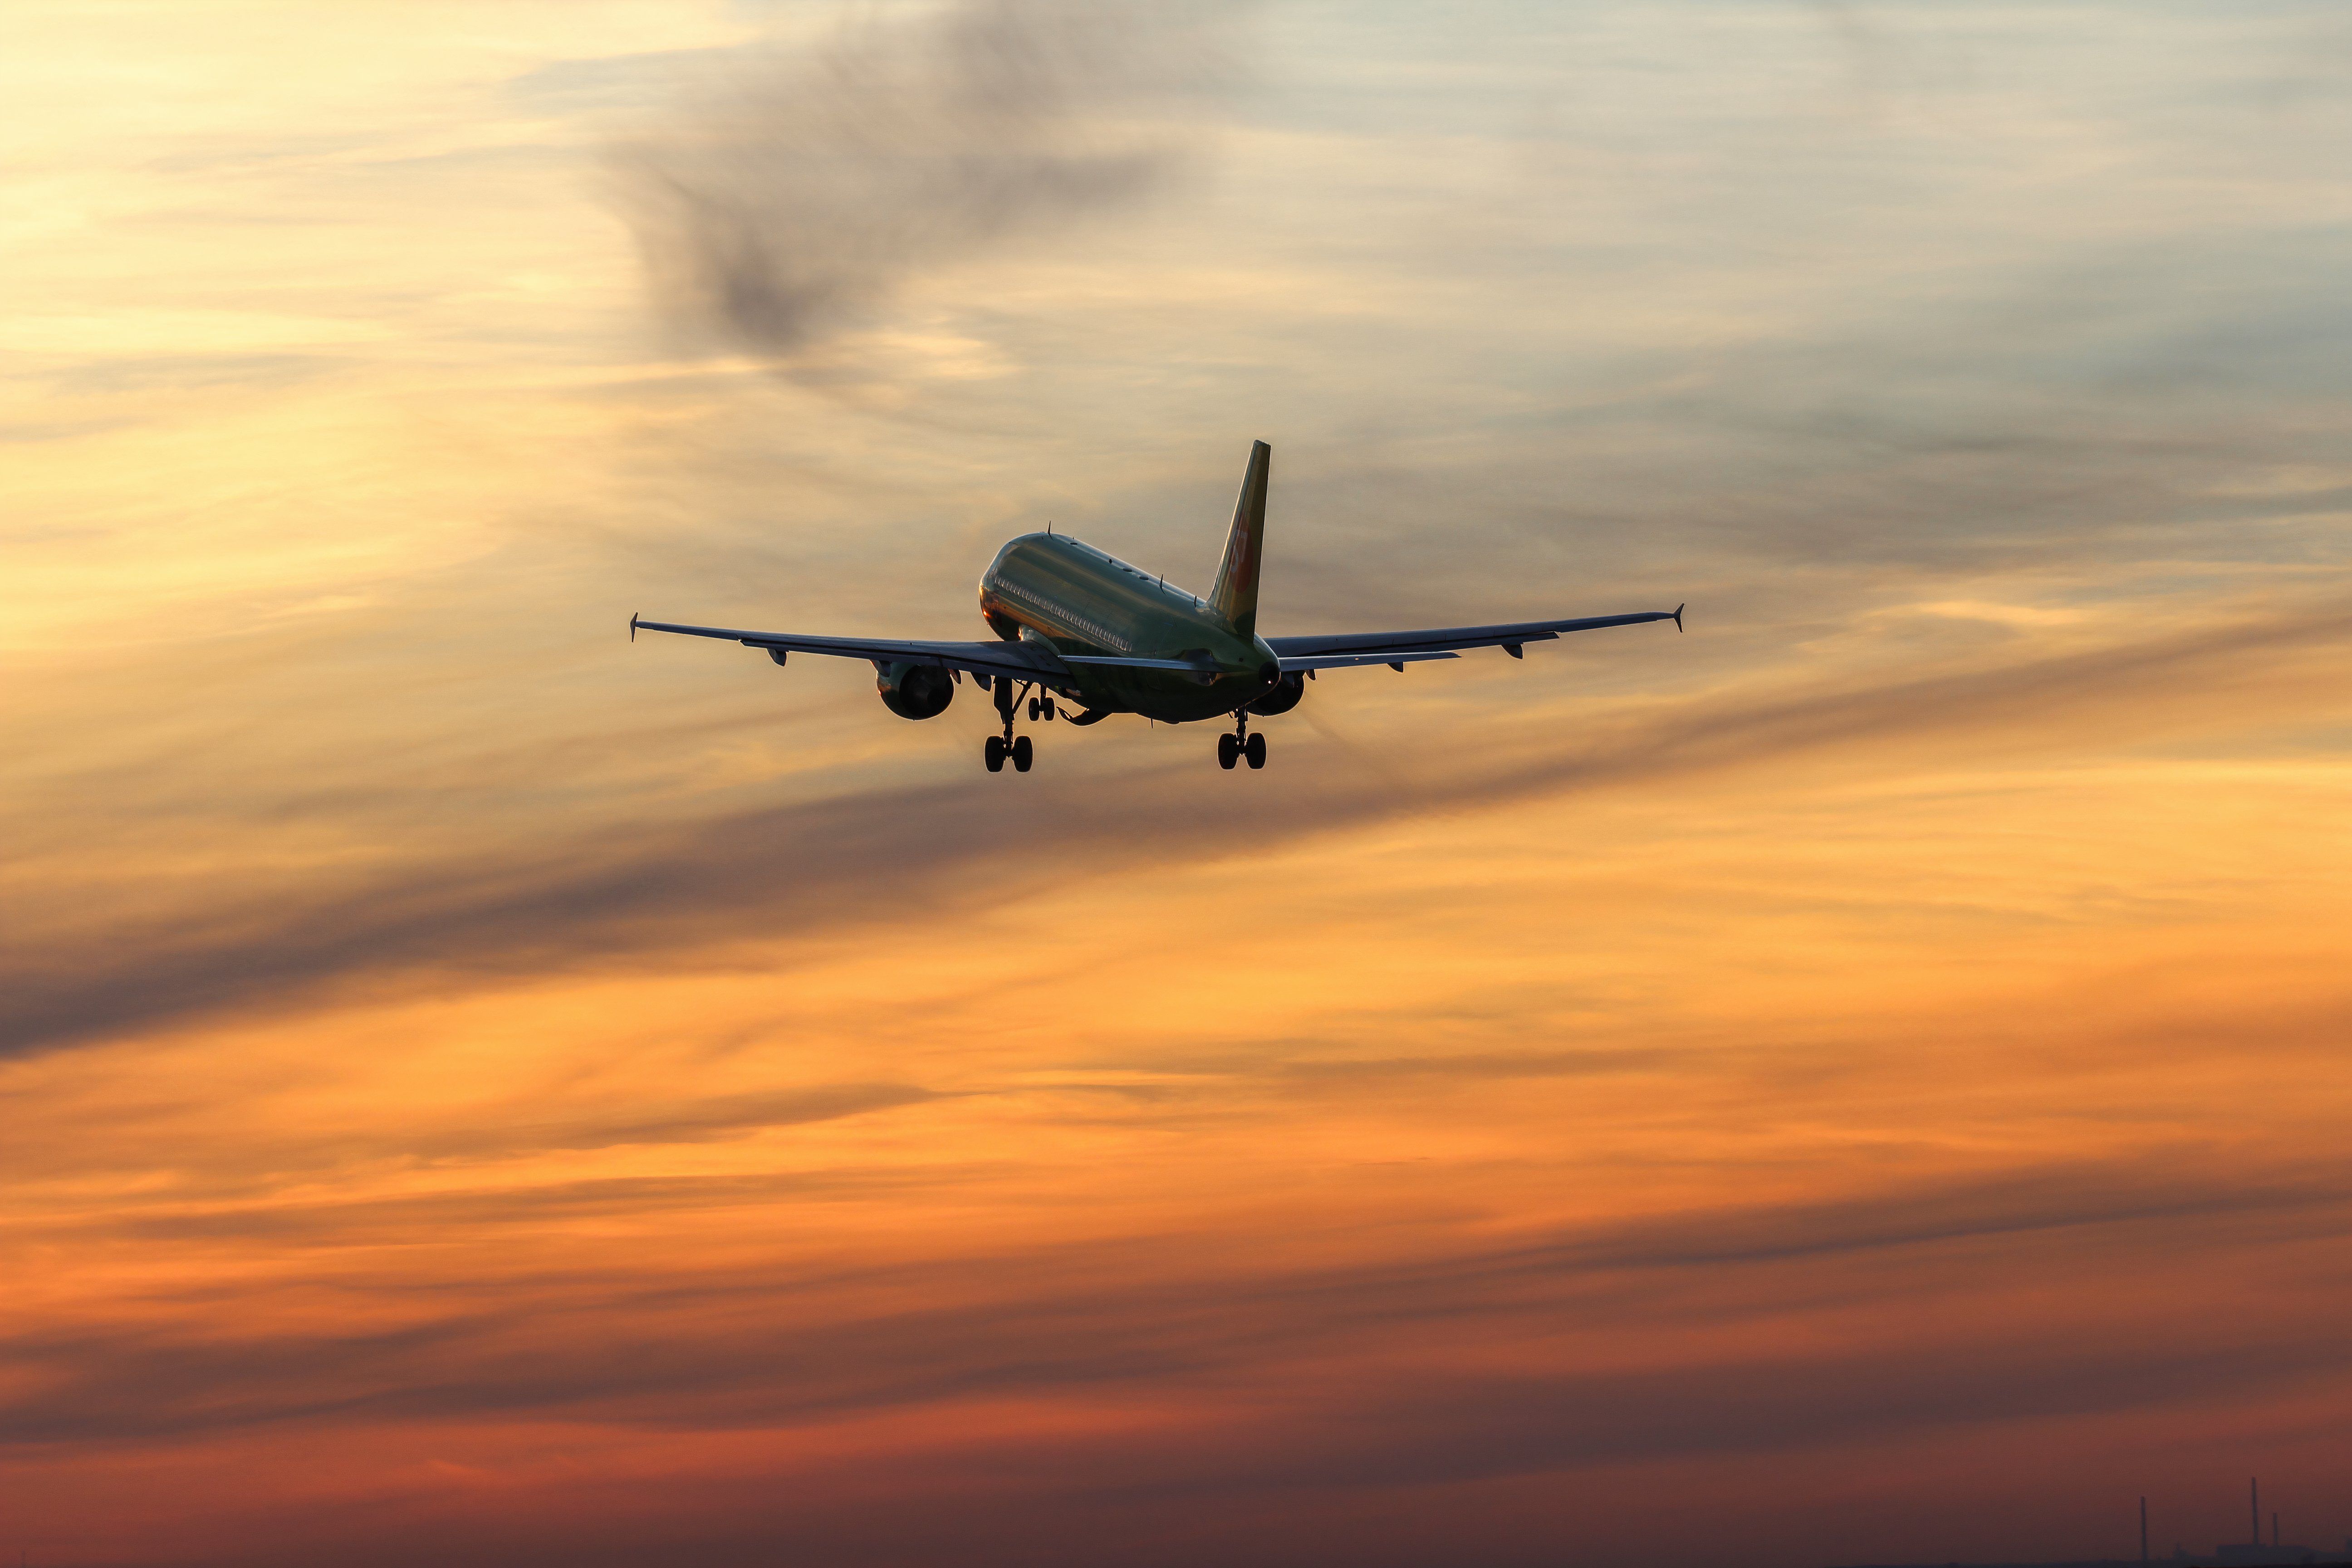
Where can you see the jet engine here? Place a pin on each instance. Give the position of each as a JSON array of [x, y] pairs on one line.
[[914, 691], [1286, 694]]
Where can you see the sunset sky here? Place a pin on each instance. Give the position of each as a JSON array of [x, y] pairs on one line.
[[1865, 1080]]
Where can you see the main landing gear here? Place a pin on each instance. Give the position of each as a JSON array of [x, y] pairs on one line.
[[1241, 744], [999, 749]]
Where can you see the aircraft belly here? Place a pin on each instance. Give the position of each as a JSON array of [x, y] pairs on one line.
[[1176, 698]]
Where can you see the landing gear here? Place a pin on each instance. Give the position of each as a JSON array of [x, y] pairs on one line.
[[1240, 744], [1017, 749]]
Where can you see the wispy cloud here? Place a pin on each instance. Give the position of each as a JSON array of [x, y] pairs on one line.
[[1036, 1323]]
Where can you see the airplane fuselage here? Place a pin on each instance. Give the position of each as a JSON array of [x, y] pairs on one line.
[[1051, 588]]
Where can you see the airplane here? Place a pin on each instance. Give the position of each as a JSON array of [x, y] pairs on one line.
[[1076, 626]]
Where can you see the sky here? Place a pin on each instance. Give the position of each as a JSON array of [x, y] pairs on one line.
[[1863, 1080]]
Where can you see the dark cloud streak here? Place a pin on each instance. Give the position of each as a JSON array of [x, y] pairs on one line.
[[781, 211], [933, 849]]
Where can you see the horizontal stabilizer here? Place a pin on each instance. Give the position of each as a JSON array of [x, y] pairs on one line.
[[1184, 665]]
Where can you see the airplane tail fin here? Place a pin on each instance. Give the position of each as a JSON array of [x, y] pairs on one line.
[[1234, 597]]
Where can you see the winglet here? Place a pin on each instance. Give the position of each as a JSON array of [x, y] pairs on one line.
[[1678, 613], [633, 624]]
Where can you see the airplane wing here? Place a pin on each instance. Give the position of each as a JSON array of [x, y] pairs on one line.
[[1022, 661], [1341, 651]]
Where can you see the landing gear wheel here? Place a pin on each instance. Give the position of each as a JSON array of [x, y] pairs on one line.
[[1046, 709], [1255, 751], [1033, 710], [992, 754], [1022, 753], [1229, 751]]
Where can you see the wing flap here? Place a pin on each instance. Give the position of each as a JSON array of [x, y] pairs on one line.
[[1349, 660], [1026, 661], [1384, 647]]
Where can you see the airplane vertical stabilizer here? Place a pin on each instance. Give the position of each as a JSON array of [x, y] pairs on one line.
[[1234, 597]]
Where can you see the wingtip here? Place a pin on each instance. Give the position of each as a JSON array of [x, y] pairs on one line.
[[633, 624], [1678, 613]]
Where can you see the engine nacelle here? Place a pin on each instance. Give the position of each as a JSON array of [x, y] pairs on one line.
[[915, 691], [1286, 694]]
